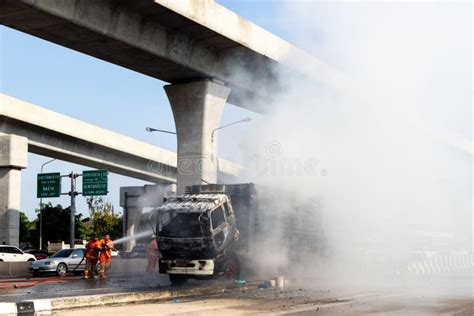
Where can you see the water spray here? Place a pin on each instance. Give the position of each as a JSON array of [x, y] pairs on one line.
[[133, 237]]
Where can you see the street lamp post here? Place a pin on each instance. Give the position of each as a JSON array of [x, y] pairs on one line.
[[72, 209], [41, 210], [151, 129], [244, 120]]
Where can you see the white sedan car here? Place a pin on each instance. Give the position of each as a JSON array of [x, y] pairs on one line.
[[10, 253]]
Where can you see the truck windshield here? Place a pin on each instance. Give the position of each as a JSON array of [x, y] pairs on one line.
[[182, 225]]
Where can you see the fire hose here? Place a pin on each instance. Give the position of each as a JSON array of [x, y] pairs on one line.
[[20, 283]]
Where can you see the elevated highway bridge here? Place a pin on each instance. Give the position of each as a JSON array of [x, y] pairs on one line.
[[25, 127], [208, 55]]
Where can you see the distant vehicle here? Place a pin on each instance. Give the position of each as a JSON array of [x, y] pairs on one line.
[[26, 245], [39, 254], [138, 252], [10, 253], [61, 262]]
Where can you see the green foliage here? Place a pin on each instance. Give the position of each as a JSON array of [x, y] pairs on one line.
[[25, 234], [104, 220], [56, 224]]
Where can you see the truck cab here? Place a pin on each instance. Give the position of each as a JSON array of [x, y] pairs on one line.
[[234, 230], [195, 234]]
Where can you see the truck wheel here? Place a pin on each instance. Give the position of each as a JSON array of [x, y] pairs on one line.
[[230, 268], [178, 279]]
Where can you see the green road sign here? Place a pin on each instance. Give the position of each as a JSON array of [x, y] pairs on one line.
[[94, 182], [48, 185]]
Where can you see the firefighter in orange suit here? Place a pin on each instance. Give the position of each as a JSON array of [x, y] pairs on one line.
[[153, 254], [92, 256], [105, 258]]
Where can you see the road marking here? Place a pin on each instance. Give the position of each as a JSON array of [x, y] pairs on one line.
[[439, 264], [8, 309], [88, 290], [43, 305], [13, 294]]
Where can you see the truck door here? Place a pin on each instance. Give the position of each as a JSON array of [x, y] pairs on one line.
[[220, 228]]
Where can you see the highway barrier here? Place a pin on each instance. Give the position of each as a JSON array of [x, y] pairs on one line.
[[14, 269], [119, 267]]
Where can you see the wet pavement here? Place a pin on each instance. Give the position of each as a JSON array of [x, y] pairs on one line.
[[126, 275], [114, 284], [433, 295]]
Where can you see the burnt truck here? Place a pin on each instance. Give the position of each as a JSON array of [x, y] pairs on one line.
[[233, 230]]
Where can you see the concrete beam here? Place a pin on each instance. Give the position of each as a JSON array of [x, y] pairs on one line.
[[55, 135], [13, 158], [174, 41], [14, 152]]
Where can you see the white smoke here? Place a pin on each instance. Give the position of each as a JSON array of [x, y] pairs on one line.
[[389, 155]]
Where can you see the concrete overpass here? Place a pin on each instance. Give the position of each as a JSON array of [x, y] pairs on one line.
[[25, 127], [174, 41], [208, 54]]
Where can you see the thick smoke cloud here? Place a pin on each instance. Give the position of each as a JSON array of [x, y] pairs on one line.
[[387, 151]]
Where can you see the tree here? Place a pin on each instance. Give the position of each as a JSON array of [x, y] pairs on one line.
[[104, 220], [24, 228], [56, 224]]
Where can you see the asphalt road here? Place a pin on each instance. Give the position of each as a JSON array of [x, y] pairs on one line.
[[427, 295], [364, 304], [441, 295], [114, 284]]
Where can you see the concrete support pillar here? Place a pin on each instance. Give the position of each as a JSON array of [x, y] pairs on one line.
[[13, 158], [132, 216], [197, 109]]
